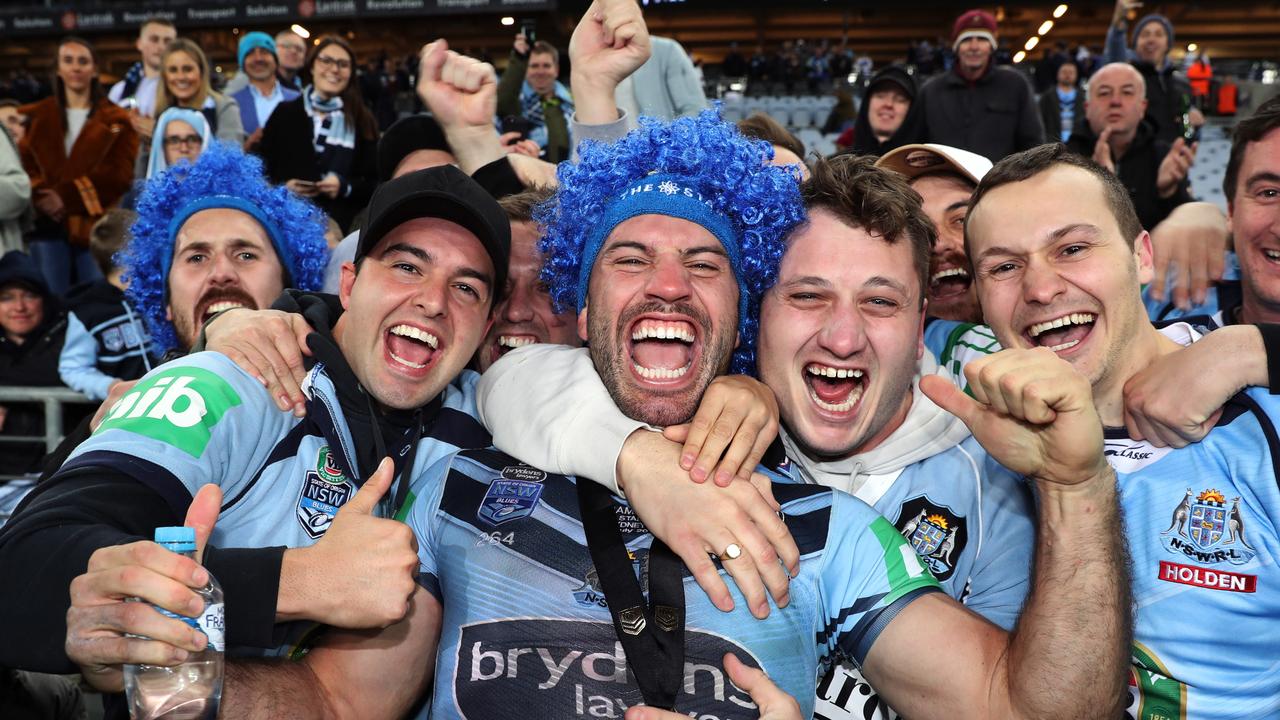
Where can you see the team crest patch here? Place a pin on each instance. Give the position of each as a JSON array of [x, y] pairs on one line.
[[936, 534], [1207, 530], [509, 500], [112, 338], [319, 501]]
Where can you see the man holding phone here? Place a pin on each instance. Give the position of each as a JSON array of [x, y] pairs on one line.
[[531, 100]]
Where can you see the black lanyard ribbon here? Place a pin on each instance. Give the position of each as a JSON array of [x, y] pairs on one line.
[[652, 634]]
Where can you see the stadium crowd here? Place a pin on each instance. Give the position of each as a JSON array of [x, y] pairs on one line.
[[554, 394]]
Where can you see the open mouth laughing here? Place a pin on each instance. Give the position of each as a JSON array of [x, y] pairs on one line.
[[1061, 333], [411, 348], [662, 351], [506, 342], [835, 389], [949, 282]]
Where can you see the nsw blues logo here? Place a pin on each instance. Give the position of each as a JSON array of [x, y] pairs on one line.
[[936, 534], [509, 499], [1206, 529], [319, 501]]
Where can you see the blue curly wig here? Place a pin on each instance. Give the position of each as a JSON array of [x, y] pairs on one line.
[[223, 177], [728, 173]]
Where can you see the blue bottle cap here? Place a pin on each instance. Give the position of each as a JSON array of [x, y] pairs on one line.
[[177, 539]]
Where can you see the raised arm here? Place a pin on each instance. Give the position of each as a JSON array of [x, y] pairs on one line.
[[1067, 656]]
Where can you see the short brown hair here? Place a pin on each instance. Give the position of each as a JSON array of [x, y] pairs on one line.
[[1263, 120], [109, 236], [878, 200], [1029, 163], [542, 47], [156, 20], [763, 127], [519, 207]]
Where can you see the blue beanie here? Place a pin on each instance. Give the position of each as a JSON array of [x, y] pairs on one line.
[[1152, 18], [255, 39], [699, 169], [222, 177]]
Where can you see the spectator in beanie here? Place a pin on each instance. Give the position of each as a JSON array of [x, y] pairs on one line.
[[978, 106]]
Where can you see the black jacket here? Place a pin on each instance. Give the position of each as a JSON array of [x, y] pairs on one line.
[[1168, 94], [288, 150], [33, 363], [994, 116], [1051, 114], [1138, 170]]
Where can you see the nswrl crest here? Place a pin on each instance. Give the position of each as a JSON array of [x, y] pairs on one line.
[[324, 491], [936, 534], [512, 496], [1215, 531]]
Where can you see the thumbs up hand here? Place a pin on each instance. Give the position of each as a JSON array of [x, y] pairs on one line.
[[361, 572]]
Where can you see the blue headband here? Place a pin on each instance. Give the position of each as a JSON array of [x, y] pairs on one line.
[[227, 202], [662, 194]]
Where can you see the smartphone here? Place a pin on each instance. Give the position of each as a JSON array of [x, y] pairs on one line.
[[516, 123], [529, 28]]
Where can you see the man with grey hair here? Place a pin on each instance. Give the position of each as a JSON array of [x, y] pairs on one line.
[[1120, 139]]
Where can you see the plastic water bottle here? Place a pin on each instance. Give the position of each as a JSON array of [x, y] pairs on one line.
[[192, 690]]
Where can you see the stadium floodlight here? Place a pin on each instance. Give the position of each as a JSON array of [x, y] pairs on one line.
[[1019, 56], [508, 21], [1031, 43], [1045, 27], [301, 31], [1059, 11]]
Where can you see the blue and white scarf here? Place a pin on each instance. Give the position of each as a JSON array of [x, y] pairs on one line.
[[335, 138], [532, 104]]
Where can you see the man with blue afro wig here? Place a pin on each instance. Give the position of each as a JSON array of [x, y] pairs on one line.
[[214, 235], [664, 242]]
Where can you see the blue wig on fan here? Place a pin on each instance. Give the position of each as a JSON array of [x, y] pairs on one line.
[[222, 177], [699, 169]]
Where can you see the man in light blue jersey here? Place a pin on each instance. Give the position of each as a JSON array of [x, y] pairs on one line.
[[1200, 520], [840, 347], [530, 602]]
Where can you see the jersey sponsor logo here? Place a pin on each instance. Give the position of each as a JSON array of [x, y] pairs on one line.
[[509, 500], [178, 407], [1207, 578], [1153, 694], [318, 502], [524, 668], [1207, 531], [1127, 456], [523, 472], [936, 534], [327, 467], [845, 695]]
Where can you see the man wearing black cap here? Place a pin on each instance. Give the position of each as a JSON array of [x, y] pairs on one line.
[[978, 106], [890, 117], [387, 380]]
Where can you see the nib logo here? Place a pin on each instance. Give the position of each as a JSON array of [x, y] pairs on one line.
[[178, 407]]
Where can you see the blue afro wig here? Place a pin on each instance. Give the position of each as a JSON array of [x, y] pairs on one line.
[[222, 177], [759, 204]]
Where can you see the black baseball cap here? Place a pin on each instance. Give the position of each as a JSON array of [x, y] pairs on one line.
[[406, 135], [897, 75], [447, 193]]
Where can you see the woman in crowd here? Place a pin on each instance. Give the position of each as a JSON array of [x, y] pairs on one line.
[[184, 136], [77, 150], [323, 144], [184, 75]]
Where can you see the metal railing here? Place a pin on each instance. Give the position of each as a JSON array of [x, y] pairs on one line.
[[53, 398]]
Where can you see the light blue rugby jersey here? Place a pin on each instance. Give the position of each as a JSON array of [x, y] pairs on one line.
[[1207, 633], [1201, 523], [526, 631], [201, 419], [972, 521]]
